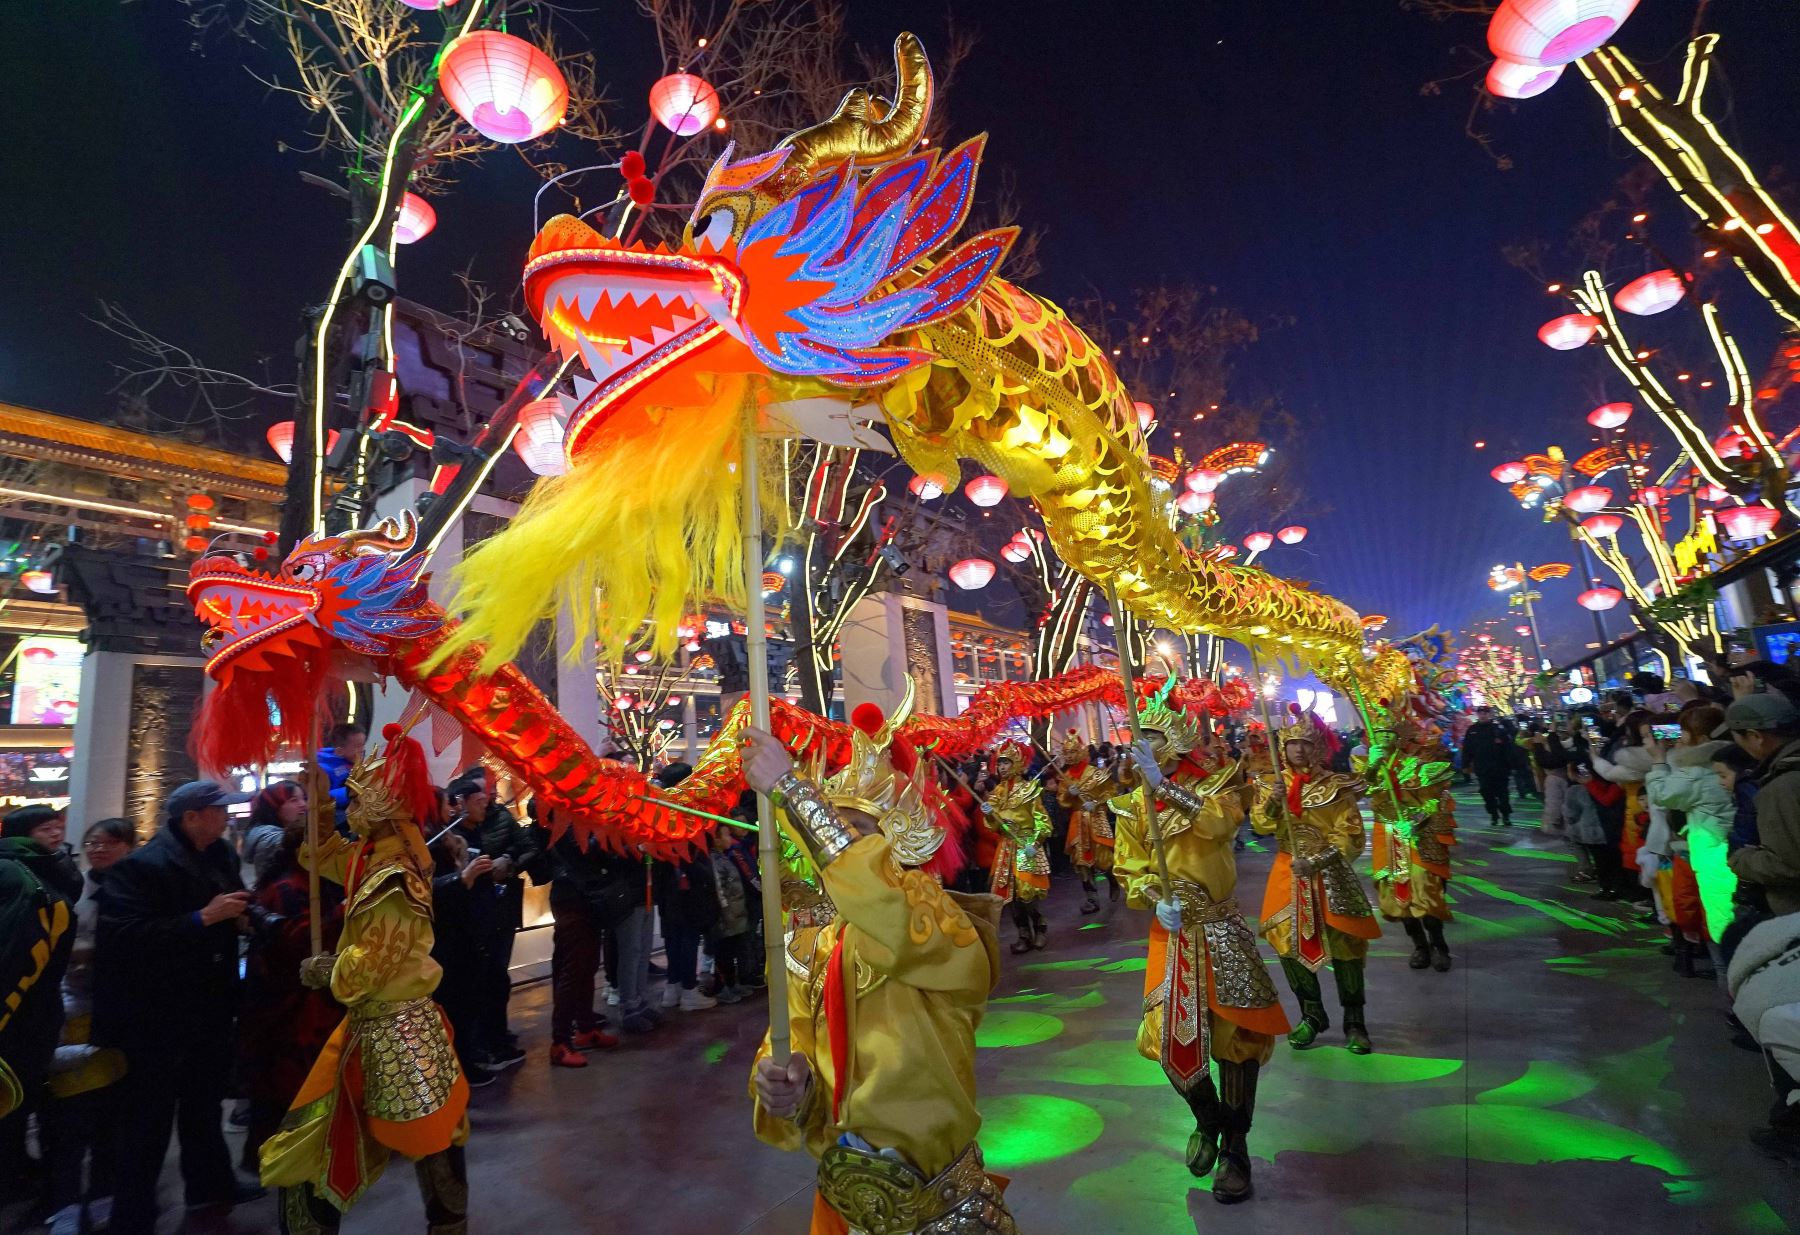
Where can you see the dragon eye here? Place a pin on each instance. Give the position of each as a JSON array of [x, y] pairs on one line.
[[304, 571], [719, 226]]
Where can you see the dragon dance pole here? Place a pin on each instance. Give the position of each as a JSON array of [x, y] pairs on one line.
[[318, 808], [756, 650], [1137, 735], [1262, 701]]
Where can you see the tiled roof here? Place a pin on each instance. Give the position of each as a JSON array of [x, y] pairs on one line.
[[30, 428]]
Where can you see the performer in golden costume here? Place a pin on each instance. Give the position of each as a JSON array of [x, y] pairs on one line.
[[1207, 994], [1084, 788], [1315, 909], [1415, 823], [1014, 808], [387, 1081], [884, 1002]]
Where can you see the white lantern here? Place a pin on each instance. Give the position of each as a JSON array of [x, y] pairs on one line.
[[985, 490], [1291, 535], [1508, 79], [1256, 542], [1568, 332], [1191, 503], [928, 486], [1609, 415], [972, 573], [416, 220], [1655, 292], [1553, 32], [684, 104], [1599, 599], [539, 440], [1205, 479], [1588, 499], [1602, 525], [1510, 473]]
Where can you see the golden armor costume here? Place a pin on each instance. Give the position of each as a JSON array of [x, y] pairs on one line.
[[1415, 824], [1084, 787], [1207, 993], [1315, 909], [1015, 809], [884, 1001], [387, 1081]]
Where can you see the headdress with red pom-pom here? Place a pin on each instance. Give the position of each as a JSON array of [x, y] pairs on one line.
[[883, 780]]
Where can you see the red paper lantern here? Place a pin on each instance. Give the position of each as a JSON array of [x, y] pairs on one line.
[[1711, 493], [416, 220], [1602, 525], [985, 490], [683, 104], [40, 581], [1205, 479], [1508, 79], [506, 89], [281, 440], [1600, 599], [1521, 630], [1609, 415], [1588, 499], [1746, 522], [1553, 32], [1509, 473], [1291, 535], [1106, 619], [1256, 542], [199, 522], [1655, 292], [194, 544], [927, 486], [1568, 332], [972, 573], [539, 440]]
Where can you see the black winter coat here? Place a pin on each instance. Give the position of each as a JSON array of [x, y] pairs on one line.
[[34, 890], [160, 977], [1488, 748], [687, 893]]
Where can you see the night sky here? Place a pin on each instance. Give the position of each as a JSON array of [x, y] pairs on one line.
[[1281, 152]]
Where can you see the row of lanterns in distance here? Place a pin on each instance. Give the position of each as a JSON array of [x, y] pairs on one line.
[[977, 572], [1739, 522], [989, 490]]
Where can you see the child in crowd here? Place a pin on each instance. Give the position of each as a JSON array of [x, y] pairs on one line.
[[731, 935], [1581, 820]]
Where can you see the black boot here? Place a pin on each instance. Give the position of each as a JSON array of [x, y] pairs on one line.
[[1237, 1098], [1313, 1021], [1040, 930], [1349, 976], [444, 1186], [1203, 1141], [1440, 951], [1089, 903], [302, 1211], [1021, 916], [1112, 888], [1421, 953]]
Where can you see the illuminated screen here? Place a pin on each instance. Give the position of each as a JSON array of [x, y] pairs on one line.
[[48, 681]]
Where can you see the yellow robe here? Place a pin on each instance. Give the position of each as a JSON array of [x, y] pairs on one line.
[[1415, 823], [1021, 867], [1243, 1012], [1084, 790], [1328, 832], [387, 1079]]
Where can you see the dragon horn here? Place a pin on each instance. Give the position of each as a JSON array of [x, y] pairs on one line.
[[867, 129]]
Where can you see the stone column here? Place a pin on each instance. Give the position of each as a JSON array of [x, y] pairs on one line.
[[889, 636], [131, 734]]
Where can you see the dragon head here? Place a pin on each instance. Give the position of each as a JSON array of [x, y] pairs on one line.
[[274, 640], [803, 262]]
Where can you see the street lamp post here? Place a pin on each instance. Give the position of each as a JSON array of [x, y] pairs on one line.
[[1504, 579]]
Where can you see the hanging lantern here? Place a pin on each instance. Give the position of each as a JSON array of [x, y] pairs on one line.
[[199, 522], [972, 573], [683, 104], [194, 544], [1205, 479], [1602, 525], [928, 486], [1651, 293], [1015, 551], [1588, 499], [1521, 630], [416, 220], [539, 440], [428, 5], [1746, 522], [1509, 473], [506, 89], [1292, 535], [1145, 413], [1256, 542], [1711, 493], [642, 658], [1600, 599], [1508, 79], [40, 581], [1609, 415], [1570, 331], [281, 440], [1106, 619], [1651, 496], [1191, 503], [1734, 445], [985, 490], [1553, 32], [1226, 552]]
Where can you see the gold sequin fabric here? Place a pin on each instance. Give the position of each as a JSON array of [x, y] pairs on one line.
[[1239, 977], [408, 1065], [880, 1195]]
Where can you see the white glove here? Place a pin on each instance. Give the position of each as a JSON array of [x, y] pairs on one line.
[[987, 808], [1027, 852], [1648, 864], [1145, 759], [1168, 912]]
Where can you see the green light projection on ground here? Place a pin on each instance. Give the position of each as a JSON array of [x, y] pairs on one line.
[[1757, 1218], [1094, 926], [1020, 1130], [1547, 1082], [1304, 1132], [1519, 851], [1153, 1188], [1135, 964], [1110, 1061], [715, 1053], [1009, 1028], [1377, 1069], [1084, 962], [1524, 1136], [1572, 918]]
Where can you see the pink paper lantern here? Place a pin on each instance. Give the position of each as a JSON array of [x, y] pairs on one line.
[[972, 573], [506, 89], [1568, 332], [1733, 445], [684, 104], [428, 5], [927, 486], [1146, 415], [416, 220], [1191, 503], [1016, 550], [1651, 496], [1746, 522], [1602, 525], [1256, 542], [1655, 292], [1510, 473], [539, 440], [1291, 535], [1508, 79], [985, 490], [1588, 499], [1553, 32], [1600, 599], [1205, 479], [281, 440], [1609, 415]]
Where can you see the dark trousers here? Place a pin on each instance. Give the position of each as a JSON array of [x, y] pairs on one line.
[[1495, 791], [681, 945], [180, 1089], [494, 991], [72, 1127], [574, 956], [732, 958]]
